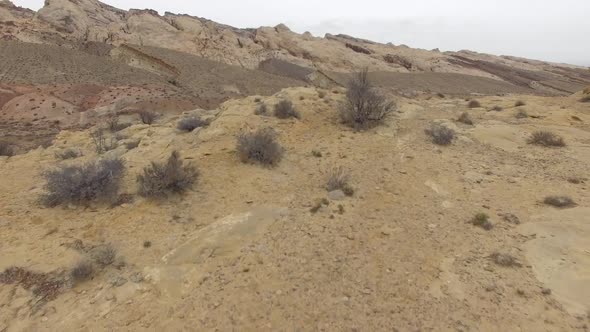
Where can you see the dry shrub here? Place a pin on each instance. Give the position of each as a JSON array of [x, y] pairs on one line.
[[559, 201], [191, 123], [260, 147], [285, 109], [505, 260], [364, 107], [101, 143], [82, 271], [521, 114], [81, 184], [585, 99], [519, 103], [497, 108], [465, 118], [103, 255], [482, 220], [68, 154], [321, 94], [6, 149], [160, 179], [147, 117], [546, 138], [132, 144], [45, 286], [262, 109], [473, 104], [440, 134], [338, 179]]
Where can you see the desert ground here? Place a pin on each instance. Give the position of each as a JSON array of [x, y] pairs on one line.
[[465, 208]]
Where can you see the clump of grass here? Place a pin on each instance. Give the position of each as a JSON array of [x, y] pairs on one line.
[[465, 118], [364, 107], [440, 134], [68, 154], [316, 153], [260, 147], [158, 180], [6, 149], [505, 260], [321, 94], [497, 108], [519, 103], [191, 123], [338, 179], [482, 220], [559, 201], [147, 117], [474, 104], [521, 114], [546, 138], [262, 109], [285, 110], [103, 255], [82, 271], [81, 184]]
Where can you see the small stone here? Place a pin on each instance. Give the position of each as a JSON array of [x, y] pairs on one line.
[[337, 195]]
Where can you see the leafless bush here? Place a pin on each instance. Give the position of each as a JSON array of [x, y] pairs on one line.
[[191, 123], [147, 117], [6, 149], [103, 144], [474, 104], [559, 201], [546, 138], [364, 107], [160, 179], [465, 118], [79, 184], [440, 134], [338, 179], [260, 147], [285, 109], [68, 154]]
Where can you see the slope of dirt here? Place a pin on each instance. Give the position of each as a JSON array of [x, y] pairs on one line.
[[399, 254]]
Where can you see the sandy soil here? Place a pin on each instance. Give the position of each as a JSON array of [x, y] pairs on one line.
[[243, 251]]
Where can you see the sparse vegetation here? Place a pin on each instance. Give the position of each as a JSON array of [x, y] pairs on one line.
[[262, 109], [338, 179], [546, 138], [505, 260], [68, 154], [6, 149], [81, 184], [132, 144], [147, 117], [521, 114], [316, 153], [174, 176], [321, 94], [260, 147], [585, 99], [101, 143], [82, 271], [465, 118], [319, 204], [103, 255], [519, 103], [364, 107], [285, 109], [440, 134], [559, 201], [474, 104], [191, 123], [482, 220], [497, 108]]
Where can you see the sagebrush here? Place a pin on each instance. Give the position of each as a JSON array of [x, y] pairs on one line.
[[440, 134], [546, 138], [161, 179], [97, 180], [6, 149], [260, 147], [285, 109], [191, 123]]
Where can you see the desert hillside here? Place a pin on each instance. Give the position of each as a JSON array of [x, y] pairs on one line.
[[174, 173]]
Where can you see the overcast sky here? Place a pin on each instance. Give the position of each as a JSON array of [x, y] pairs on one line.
[[539, 29]]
